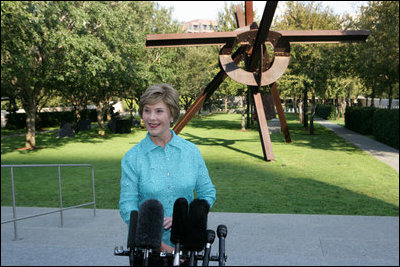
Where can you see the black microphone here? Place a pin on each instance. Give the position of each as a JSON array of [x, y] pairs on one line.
[[179, 218], [222, 231], [150, 227], [210, 237], [196, 227], [131, 235]]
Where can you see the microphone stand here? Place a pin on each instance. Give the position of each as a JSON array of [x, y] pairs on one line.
[[222, 231], [210, 236], [131, 256], [146, 257], [176, 255]]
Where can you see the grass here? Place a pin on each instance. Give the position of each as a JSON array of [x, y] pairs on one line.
[[319, 174], [339, 121]]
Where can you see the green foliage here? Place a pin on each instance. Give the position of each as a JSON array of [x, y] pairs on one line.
[[377, 61], [386, 126], [383, 124], [327, 112], [360, 119]]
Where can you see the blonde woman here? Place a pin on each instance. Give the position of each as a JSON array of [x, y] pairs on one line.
[[162, 166]]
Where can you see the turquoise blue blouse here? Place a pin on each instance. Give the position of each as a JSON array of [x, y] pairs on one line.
[[149, 171]]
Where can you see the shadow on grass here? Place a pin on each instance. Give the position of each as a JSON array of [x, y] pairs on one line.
[[240, 188], [243, 188], [323, 139], [51, 140], [209, 122], [207, 141]]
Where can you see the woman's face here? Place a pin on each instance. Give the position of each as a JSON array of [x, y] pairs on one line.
[[157, 118]]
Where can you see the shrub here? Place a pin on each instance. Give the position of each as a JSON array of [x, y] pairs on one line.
[[359, 119], [327, 112], [386, 126]]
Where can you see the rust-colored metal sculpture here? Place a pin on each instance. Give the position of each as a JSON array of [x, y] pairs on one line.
[[259, 71]]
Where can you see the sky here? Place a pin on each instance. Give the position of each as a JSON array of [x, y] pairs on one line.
[[191, 10]]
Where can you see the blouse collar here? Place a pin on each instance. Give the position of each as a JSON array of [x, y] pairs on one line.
[[149, 144]]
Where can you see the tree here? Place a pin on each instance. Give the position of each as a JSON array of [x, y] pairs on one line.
[[27, 46], [227, 22], [311, 61], [378, 59]]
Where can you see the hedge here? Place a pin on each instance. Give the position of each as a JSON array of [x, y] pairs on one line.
[[386, 126], [383, 124], [327, 112], [50, 119], [359, 119]]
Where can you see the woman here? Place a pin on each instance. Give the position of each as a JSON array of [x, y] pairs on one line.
[[163, 165]]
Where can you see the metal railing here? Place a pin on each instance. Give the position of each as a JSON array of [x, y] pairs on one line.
[[61, 209]]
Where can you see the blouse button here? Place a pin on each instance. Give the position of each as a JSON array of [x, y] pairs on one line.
[[167, 173]]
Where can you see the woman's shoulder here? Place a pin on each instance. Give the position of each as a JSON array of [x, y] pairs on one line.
[[187, 145], [133, 151]]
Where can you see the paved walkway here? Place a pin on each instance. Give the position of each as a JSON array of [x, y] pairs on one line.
[[253, 239], [384, 153]]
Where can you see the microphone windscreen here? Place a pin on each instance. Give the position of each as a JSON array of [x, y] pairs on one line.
[[210, 236], [179, 217], [222, 231], [196, 225], [150, 223], [132, 228]]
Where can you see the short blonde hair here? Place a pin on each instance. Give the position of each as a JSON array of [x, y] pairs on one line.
[[161, 92]]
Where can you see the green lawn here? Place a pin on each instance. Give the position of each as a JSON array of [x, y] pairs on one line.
[[319, 174]]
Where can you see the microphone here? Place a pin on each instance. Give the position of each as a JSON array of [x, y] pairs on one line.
[[131, 235], [210, 236], [196, 227], [179, 218], [149, 227], [222, 231]]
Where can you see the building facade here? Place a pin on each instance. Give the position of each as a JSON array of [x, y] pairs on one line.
[[200, 25]]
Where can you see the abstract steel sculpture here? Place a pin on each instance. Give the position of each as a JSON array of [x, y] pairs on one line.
[[258, 70]]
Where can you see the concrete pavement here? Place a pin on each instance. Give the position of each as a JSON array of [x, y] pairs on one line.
[[253, 239], [382, 152]]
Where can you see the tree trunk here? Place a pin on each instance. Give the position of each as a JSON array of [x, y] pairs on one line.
[[248, 108], [300, 106], [343, 107], [225, 104], [305, 116], [295, 108], [30, 138], [390, 97], [244, 111], [77, 114], [100, 115], [312, 111]]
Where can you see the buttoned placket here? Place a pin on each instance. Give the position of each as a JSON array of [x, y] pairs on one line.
[[168, 170]]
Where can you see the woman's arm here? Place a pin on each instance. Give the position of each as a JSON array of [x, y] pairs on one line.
[[129, 196]]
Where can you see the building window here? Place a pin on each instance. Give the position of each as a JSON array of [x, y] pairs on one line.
[[209, 27], [190, 26], [204, 27], [195, 27]]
